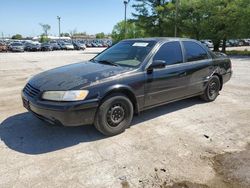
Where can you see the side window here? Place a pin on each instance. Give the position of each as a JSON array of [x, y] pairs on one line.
[[194, 52], [170, 52]]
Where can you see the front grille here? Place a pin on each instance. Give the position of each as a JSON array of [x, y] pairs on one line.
[[31, 91]]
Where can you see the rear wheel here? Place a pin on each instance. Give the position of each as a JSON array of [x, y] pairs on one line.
[[114, 115], [212, 89]]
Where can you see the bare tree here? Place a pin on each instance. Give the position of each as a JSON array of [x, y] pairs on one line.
[[46, 28]]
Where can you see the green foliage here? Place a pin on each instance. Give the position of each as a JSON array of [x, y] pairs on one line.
[[217, 20], [155, 17], [236, 52], [75, 34], [65, 35], [132, 31], [44, 38], [200, 19], [100, 35], [17, 37]]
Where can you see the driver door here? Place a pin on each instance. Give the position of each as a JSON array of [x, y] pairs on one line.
[[167, 83]]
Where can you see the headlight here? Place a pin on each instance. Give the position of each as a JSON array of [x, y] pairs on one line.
[[73, 95]]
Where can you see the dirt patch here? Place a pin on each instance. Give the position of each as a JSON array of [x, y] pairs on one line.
[[160, 179], [125, 184], [234, 168], [186, 184]]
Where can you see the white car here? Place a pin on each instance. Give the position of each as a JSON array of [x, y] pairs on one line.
[[67, 46], [207, 43]]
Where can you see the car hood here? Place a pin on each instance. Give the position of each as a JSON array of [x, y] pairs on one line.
[[75, 76]]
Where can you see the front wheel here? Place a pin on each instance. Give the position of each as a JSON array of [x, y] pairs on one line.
[[114, 115], [212, 89]]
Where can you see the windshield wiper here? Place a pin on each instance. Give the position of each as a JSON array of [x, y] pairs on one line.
[[107, 62]]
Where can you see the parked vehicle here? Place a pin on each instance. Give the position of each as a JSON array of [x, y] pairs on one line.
[[3, 47], [46, 46], [244, 42], [129, 77], [55, 45], [207, 43], [89, 45], [16, 47], [233, 42], [66, 46], [32, 47], [78, 45]]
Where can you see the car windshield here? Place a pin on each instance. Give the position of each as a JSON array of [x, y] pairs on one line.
[[16, 44], [126, 53]]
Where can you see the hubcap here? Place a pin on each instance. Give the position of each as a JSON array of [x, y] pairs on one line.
[[213, 89], [115, 115]]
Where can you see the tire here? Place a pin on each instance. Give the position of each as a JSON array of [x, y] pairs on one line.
[[212, 90], [114, 115]]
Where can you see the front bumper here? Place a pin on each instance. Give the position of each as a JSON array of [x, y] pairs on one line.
[[62, 113], [17, 50]]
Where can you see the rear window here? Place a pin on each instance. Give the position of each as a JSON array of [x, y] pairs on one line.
[[194, 52]]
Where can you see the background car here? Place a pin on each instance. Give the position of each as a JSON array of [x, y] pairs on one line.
[[32, 47], [207, 43], [78, 45], [66, 46], [46, 47], [16, 47], [3, 47], [55, 45]]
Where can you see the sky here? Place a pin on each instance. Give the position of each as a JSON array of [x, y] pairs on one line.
[[91, 16]]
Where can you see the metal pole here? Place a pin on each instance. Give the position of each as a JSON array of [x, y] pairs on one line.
[[176, 15], [125, 18], [59, 25]]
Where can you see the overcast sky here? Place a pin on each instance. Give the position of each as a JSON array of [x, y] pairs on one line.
[[91, 16]]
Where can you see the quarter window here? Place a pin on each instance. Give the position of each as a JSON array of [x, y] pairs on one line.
[[194, 52], [170, 53]]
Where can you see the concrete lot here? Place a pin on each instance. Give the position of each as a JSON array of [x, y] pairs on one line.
[[184, 144]]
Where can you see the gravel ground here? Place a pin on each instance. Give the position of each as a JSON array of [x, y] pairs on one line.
[[183, 144]]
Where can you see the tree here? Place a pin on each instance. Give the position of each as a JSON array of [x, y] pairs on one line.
[[217, 20], [155, 17], [132, 31], [44, 38], [46, 28], [100, 35], [17, 37], [65, 35]]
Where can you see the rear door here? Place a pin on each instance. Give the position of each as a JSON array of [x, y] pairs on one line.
[[198, 65]]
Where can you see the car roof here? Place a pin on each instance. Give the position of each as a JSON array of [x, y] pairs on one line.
[[160, 39]]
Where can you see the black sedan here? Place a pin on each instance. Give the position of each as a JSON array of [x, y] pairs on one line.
[[32, 47], [127, 78], [46, 47]]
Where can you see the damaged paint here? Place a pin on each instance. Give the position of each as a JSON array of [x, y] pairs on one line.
[[76, 75]]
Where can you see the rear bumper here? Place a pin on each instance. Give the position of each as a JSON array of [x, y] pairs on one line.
[[226, 77], [62, 113]]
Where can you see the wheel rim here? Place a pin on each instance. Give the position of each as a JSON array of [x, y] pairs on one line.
[[115, 115], [213, 88]]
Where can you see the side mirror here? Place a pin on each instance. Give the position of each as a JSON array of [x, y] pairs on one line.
[[157, 64]]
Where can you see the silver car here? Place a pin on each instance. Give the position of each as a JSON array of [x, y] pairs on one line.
[[16, 47]]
